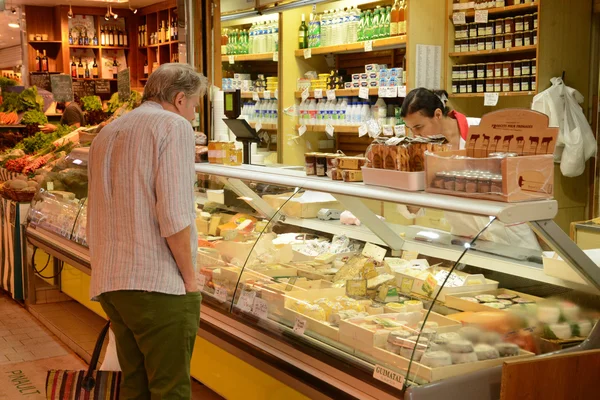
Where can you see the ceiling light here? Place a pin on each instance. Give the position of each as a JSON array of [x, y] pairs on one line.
[[110, 11], [107, 15], [13, 24], [13, 10], [133, 10], [70, 13]]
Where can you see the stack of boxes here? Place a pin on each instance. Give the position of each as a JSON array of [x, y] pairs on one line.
[[244, 83], [377, 75]]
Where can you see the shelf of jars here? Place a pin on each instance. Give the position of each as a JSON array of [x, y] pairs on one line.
[[247, 57], [356, 47], [336, 128], [339, 93], [170, 42], [483, 53], [503, 10], [501, 94]]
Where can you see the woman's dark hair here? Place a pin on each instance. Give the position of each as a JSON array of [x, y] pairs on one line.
[[426, 101], [60, 106], [77, 100]]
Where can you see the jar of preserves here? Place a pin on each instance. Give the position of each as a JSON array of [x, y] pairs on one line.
[[470, 85], [507, 69], [472, 29], [484, 184], [527, 38], [438, 181], [471, 71], [497, 69], [455, 86], [489, 42], [489, 70], [534, 40], [526, 67], [461, 32], [525, 83], [471, 183], [508, 40], [481, 43], [473, 44], [464, 45], [499, 3], [528, 22], [480, 71], [489, 85], [499, 41], [489, 28], [321, 165], [533, 64], [481, 29], [496, 184], [449, 180], [480, 86], [462, 71], [517, 68], [457, 46], [460, 182], [455, 71], [519, 23], [535, 20], [516, 84], [506, 84], [533, 83], [463, 86], [499, 26], [509, 25], [497, 85], [519, 39], [310, 161]]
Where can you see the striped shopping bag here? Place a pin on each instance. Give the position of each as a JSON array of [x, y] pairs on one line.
[[84, 385]]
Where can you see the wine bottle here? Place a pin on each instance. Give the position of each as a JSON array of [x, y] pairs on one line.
[[111, 38], [102, 37], [146, 68], [86, 39], [95, 69], [115, 68], [119, 37], [125, 40], [95, 39], [80, 70], [303, 34], [71, 37], [45, 62], [73, 69], [160, 33], [38, 61], [87, 70], [167, 34], [175, 37]]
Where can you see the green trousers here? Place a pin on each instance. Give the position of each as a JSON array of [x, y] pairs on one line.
[[155, 336]]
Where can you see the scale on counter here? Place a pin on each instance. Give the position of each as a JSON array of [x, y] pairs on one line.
[[240, 127]]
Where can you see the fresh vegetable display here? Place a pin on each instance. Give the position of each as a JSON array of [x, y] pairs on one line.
[[6, 82], [27, 100], [34, 117], [93, 109], [8, 118]]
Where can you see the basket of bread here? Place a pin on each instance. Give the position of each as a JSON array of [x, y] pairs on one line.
[[19, 190]]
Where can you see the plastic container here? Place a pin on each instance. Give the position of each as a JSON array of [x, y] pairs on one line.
[[410, 181]]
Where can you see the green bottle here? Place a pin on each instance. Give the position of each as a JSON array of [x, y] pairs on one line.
[[360, 33], [369, 26], [388, 19]]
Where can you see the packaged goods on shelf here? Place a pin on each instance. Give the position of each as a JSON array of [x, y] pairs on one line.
[[508, 158], [261, 37], [505, 76]]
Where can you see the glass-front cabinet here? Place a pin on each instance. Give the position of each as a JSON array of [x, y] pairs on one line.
[[414, 291]]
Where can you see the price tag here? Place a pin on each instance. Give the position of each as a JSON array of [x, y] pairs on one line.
[[400, 130], [481, 16], [362, 130], [50, 186], [363, 93], [221, 294], [331, 94], [401, 91], [391, 91], [245, 301], [258, 126], [267, 95], [307, 54], [200, 280], [260, 308], [490, 99], [388, 376], [231, 59], [459, 18], [255, 96], [276, 94], [368, 45], [381, 91], [318, 93], [329, 129], [302, 130], [276, 56], [406, 285], [305, 94], [388, 130], [300, 326]]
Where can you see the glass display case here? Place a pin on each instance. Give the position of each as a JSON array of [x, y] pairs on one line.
[[410, 291]]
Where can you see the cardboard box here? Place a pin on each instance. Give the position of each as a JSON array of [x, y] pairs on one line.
[[454, 300], [529, 176]]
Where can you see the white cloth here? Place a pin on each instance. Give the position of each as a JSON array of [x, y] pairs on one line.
[[111, 360], [576, 142]]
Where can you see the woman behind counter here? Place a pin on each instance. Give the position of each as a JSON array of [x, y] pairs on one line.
[[72, 115], [425, 113]]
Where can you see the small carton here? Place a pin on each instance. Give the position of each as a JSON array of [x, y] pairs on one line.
[[364, 83], [364, 77], [355, 77], [372, 68], [373, 75], [351, 175], [351, 162]]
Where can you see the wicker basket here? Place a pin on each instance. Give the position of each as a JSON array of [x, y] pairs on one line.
[[18, 196]]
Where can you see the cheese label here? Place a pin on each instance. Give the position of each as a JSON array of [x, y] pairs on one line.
[[368, 45], [388, 130], [260, 308], [363, 129], [410, 255], [459, 18], [50, 186], [481, 16], [407, 285], [267, 95], [200, 280], [429, 285], [391, 91], [276, 56], [401, 91], [245, 301], [331, 94], [300, 326], [356, 287], [305, 94], [375, 252], [490, 99], [302, 130], [388, 376], [329, 129], [221, 294], [400, 130], [381, 92], [258, 126]]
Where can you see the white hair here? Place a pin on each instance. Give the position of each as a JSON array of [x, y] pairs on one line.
[[172, 78]]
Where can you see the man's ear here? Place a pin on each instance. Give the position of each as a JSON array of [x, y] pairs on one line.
[[179, 99]]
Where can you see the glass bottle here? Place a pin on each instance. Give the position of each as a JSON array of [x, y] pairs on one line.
[[95, 70], [38, 61], [115, 68], [303, 34], [394, 18], [70, 37], [402, 18], [146, 68], [73, 69], [87, 70], [45, 62], [80, 70], [387, 22]]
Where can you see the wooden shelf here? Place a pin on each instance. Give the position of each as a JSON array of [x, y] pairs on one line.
[[83, 47], [265, 127], [160, 44], [339, 93], [249, 95], [249, 57], [378, 44], [336, 128], [512, 50], [502, 94], [114, 47], [52, 42], [94, 79], [500, 11], [15, 126]]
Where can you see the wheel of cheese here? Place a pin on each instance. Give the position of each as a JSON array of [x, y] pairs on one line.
[[408, 353], [470, 333], [436, 359], [486, 352], [463, 358], [490, 338], [460, 346], [507, 349]]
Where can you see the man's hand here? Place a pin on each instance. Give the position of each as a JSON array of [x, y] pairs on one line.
[[48, 128], [191, 287]]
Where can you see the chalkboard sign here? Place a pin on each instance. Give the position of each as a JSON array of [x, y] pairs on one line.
[[84, 88], [124, 85], [62, 87], [41, 81], [102, 86]]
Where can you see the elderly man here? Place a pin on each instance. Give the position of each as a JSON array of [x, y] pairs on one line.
[[142, 234]]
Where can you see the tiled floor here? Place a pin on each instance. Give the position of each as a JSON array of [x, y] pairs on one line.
[[28, 349]]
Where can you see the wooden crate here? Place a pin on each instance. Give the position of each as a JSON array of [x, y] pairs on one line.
[[454, 300]]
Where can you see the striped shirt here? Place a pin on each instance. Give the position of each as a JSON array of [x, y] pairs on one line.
[[140, 191]]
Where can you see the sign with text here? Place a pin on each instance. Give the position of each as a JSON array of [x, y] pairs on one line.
[[84, 88], [41, 81], [62, 87], [124, 85], [103, 86]]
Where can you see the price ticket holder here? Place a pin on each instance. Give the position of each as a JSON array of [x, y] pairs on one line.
[[240, 127]]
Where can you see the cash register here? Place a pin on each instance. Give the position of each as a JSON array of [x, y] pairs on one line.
[[240, 127]]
